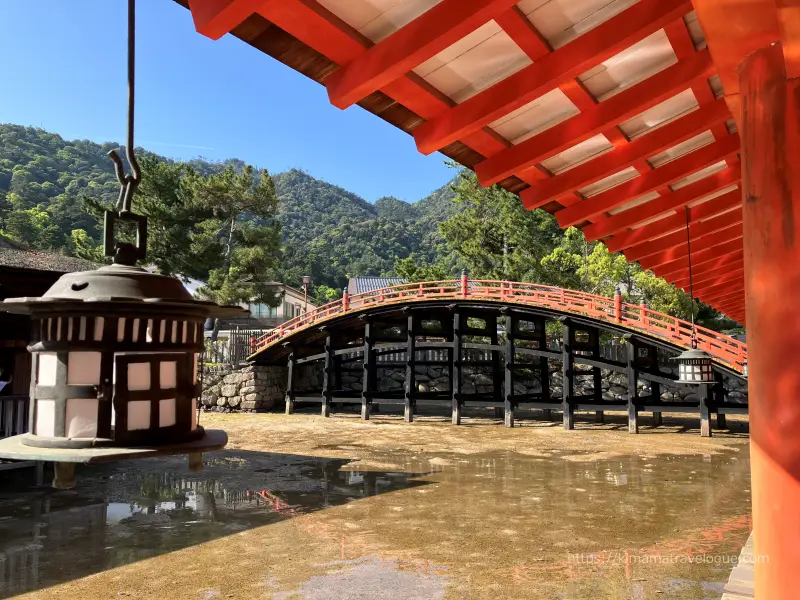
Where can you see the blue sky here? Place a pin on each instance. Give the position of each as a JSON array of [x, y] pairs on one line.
[[64, 70]]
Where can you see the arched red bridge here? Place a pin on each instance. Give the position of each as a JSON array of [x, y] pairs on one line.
[[724, 349]]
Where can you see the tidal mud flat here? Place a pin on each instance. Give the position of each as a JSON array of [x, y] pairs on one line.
[[300, 507]]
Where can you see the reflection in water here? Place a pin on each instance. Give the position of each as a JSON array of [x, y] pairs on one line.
[[130, 512], [498, 525]]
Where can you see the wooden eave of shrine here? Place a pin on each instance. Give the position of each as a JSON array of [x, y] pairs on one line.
[[614, 115]]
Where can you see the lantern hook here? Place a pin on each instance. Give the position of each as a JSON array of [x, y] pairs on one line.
[[126, 253]]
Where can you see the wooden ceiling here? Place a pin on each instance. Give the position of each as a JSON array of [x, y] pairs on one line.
[[614, 115]]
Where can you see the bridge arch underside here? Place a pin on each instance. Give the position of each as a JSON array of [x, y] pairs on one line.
[[492, 355]]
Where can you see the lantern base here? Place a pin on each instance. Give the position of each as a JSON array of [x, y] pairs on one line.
[[40, 441], [14, 448]]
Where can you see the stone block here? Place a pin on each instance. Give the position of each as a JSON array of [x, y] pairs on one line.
[[228, 390], [235, 401]]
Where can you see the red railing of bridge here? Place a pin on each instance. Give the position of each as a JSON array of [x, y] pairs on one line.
[[723, 348]]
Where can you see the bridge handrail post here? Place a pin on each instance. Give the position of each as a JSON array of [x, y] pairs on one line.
[[345, 300], [643, 314], [464, 283], [618, 304]]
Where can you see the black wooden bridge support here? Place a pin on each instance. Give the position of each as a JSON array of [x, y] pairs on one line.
[[504, 342]]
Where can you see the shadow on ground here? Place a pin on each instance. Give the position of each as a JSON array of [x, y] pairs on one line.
[[130, 511]]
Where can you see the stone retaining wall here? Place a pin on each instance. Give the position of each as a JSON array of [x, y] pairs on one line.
[[249, 389]]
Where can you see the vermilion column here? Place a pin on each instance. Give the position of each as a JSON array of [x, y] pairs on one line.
[[769, 131]]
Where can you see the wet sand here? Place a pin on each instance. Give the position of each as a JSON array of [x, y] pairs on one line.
[[301, 507]]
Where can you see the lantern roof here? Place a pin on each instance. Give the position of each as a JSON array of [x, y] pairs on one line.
[[121, 285]]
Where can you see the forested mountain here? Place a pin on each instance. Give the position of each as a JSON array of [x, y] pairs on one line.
[[47, 184], [327, 231]]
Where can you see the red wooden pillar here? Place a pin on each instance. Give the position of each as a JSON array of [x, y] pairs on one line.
[[770, 132]]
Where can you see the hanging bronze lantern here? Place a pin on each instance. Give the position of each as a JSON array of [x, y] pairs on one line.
[[115, 359], [115, 351], [695, 367]]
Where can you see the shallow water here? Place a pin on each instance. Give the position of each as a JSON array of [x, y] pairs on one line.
[[265, 525]]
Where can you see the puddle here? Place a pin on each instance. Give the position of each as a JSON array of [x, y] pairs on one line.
[[498, 525]]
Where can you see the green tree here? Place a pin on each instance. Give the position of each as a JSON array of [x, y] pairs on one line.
[[324, 294], [413, 270], [493, 235], [242, 224], [83, 246]]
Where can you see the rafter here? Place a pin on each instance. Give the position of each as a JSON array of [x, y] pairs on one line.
[[732, 294], [596, 118], [699, 259], [523, 33], [320, 29], [433, 31], [697, 233], [706, 210], [734, 310], [713, 266], [719, 283], [568, 62], [616, 160], [663, 205], [723, 271], [704, 243], [647, 182]]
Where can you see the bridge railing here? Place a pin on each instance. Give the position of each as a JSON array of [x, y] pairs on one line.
[[632, 316]]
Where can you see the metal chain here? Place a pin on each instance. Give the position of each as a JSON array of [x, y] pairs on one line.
[[691, 283]]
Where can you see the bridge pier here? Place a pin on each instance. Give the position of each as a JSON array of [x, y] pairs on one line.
[[368, 371], [410, 382], [290, 376], [328, 381], [567, 373], [633, 389], [508, 404], [456, 366]]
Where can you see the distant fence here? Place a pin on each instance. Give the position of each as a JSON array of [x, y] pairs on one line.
[[232, 347]]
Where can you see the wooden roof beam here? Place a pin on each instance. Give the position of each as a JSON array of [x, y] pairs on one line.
[[645, 183], [713, 285], [706, 210], [697, 232], [713, 266], [617, 109], [704, 243], [558, 67], [433, 31], [215, 18], [700, 259], [733, 294], [732, 267], [663, 205], [613, 161], [733, 309], [321, 30]]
